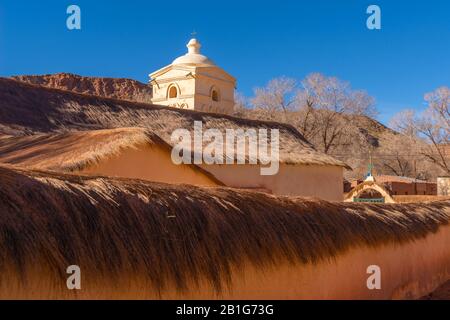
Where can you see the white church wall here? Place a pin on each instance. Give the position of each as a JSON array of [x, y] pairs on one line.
[[195, 76]]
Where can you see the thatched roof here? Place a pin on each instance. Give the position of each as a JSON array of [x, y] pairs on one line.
[[74, 151], [27, 109], [71, 151], [418, 198], [177, 234]]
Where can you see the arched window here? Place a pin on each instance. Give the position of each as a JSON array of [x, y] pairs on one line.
[[215, 95], [173, 92]]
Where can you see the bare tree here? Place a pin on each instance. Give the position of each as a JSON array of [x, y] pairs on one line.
[[278, 95], [438, 109], [326, 104], [306, 119], [241, 104], [404, 122], [321, 108], [432, 126], [336, 119], [399, 156]]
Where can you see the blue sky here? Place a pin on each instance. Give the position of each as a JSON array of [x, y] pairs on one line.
[[253, 40]]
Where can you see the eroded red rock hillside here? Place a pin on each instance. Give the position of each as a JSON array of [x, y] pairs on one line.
[[124, 89]]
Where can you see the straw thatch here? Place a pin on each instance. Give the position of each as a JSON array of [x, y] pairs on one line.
[[418, 198], [71, 151], [74, 151], [27, 109], [183, 234]]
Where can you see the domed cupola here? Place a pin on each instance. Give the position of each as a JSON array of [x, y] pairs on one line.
[[195, 82], [193, 56]]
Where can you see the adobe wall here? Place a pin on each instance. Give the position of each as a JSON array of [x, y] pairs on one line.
[[155, 164], [408, 271], [325, 182], [149, 163], [413, 188]]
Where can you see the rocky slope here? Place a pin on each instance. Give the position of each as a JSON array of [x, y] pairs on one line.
[[123, 89]]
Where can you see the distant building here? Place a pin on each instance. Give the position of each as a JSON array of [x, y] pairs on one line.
[[195, 82], [404, 185], [443, 186], [369, 191]]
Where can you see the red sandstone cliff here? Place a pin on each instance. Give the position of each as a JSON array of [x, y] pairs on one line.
[[124, 89]]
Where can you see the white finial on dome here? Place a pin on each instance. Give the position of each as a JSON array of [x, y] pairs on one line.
[[193, 57], [194, 46]]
